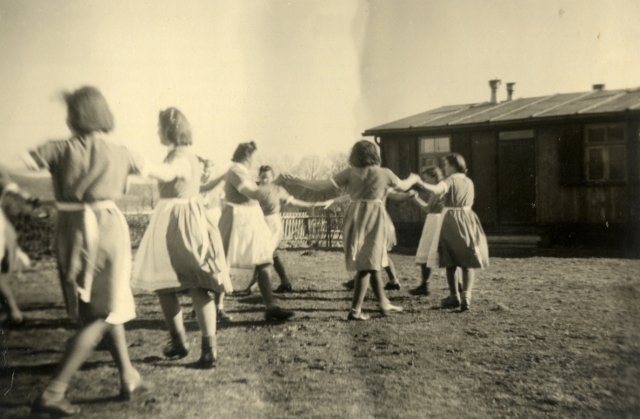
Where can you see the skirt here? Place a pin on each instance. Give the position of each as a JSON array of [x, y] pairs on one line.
[[9, 250], [274, 221], [247, 239], [94, 261], [462, 240], [365, 236], [427, 253], [181, 249]]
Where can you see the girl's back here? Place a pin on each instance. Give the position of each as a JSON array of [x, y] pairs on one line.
[[180, 187], [371, 182]]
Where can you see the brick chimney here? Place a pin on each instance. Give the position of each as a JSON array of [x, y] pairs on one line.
[[510, 91], [494, 84], [598, 87]]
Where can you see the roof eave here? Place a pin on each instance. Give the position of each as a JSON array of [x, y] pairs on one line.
[[486, 124]]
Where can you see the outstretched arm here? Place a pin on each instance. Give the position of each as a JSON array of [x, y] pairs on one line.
[[438, 189], [212, 183], [167, 172], [314, 185], [406, 184]]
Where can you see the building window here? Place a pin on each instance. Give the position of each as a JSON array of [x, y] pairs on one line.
[[432, 149], [605, 152]]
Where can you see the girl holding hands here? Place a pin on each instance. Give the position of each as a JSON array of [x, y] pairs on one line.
[[365, 230]]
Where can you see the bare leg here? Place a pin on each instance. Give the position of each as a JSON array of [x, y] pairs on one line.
[[359, 291], [279, 268], [391, 272], [378, 290], [423, 288], [130, 379], [205, 308], [254, 280], [219, 296], [452, 282], [264, 282], [172, 312], [53, 400], [468, 278], [6, 294], [273, 312]]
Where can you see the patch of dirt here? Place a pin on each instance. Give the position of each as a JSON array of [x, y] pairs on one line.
[[546, 337]]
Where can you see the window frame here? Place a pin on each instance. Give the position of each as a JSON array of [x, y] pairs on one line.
[[435, 155], [606, 147]]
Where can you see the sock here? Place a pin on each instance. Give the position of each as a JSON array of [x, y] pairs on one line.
[[55, 390], [179, 337], [209, 345], [466, 295]]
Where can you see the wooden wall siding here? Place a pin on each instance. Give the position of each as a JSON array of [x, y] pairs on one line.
[[483, 158], [549, 193], [560, 201], [390, 155]]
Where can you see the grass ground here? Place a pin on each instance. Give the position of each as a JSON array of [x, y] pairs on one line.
[[547, 338]]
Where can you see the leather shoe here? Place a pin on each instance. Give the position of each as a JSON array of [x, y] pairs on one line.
[[207, 361], [58, 408], [277, 314], [282, 288], [450, 302], [222, 316], [175, 349], [392, 286], [420, 290]]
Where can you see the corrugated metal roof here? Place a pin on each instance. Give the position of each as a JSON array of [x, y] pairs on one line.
[[586, 103]]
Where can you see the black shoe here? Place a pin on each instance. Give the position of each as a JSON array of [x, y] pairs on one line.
[[450, 302], [175, 350], [57, 408], [392, 286], [222, 316], [282, 288], [349, 284], [420, 290], [207, 361], [277, 314]]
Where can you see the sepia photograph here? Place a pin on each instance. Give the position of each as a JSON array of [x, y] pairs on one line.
[[319, 209]]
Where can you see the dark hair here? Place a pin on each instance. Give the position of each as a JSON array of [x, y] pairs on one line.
[[434, 172], [364, 153], [244, 151], [265, 168], [175, 126], [456, 160], [87, 111]]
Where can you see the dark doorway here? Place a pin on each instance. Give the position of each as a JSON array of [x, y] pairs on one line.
[[516, 181]]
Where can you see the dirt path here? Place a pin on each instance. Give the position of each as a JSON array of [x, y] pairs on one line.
[[547, 337]]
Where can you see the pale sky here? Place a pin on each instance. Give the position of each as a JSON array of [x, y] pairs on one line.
[[297, 77]]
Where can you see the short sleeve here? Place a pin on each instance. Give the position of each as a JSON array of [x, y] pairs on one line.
[[137, 164], [237, 178], [341, 179], [48, 154], [283, 195], [392, 180], [446, 182]]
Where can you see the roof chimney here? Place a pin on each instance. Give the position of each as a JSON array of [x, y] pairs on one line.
[[510, 91], [598, 87], [494, 84]]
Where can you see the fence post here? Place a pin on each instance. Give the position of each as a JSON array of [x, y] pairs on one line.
[[328, 229]]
